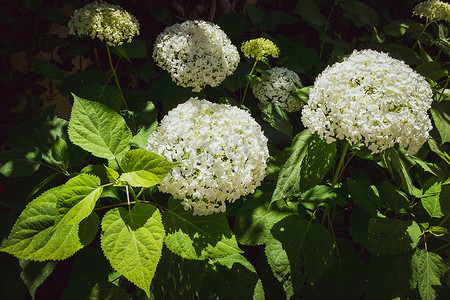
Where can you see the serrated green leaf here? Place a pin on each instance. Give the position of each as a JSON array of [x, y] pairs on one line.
[[232, 277], [392, 236], [279, 264], [197, 237], [20, 162], [388, 276], [252, 79], [396, 28], [256, 14], [143, 168], [108, 95], [309, 247], [134, 49], [302, 93], [308, 159], [132, 242], [256, 217], [34, 236], [111, 174], [98, 129], [441, 118], [106, 290], [360, 13], [35, 273], [427, 269], [77, 199], [435, 198], [277, 118], [396, 199]]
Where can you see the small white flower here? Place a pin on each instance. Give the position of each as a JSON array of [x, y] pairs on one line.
[[222, 152], [106, 21], [372, 100], [433, 10], [196, 53], [277, 86]]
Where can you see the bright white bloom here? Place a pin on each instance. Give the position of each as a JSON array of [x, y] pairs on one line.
[[277, 86], [372, 100], [222, 152], [196, 53], [106, 21], [433, 10]]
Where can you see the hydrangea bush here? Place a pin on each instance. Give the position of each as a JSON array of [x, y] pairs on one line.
[[157, 176]]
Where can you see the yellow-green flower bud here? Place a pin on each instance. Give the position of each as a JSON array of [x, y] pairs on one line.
[[433, 10], [260, 48]]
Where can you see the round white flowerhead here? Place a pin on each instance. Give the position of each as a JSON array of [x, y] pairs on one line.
[[370, 99], [277, 86], [106, 21], [222, 153], [433, 10], [196, 53]]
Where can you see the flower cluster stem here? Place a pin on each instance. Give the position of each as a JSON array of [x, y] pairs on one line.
[[246, 86], [340, 169], [115, 77]]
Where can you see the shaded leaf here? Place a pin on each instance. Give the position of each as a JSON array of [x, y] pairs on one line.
[[279, 264], [427, 269], [106, 290], [440, 112], [197, 237], [20, 162], [35, 273], [277, 118]]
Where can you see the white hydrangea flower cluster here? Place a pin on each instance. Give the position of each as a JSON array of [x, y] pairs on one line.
[[106, 21], [222, 153], [433, 10], [372, 100], [196, 53], [277, 86]]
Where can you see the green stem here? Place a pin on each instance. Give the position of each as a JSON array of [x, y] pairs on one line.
[[246, 87], [420, 34], [5, 204], [443, 89], [115, 77], [339, 169], [325, 31]]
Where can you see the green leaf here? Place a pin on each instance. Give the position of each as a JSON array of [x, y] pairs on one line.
[[256, 14], [143, 168], [360, 13], [252, 79], [60, 153], [111, 174], [281, 17], [256, 217], [302, 93], [427, 269], [146, 119], [277, 118], [388, 276], [435, 198], [232, 277], [397, 200], [301, 59], [393, 236], [438, 230], [441, 118], [77, 199], [20, 162], [346, 279], [35, 236], [48, 70], [132, 242], [35, 273], [197, 237], [396, 161], [432, 70], [396, 28], [364, 195], [308, 159], [106, 290], [134, 49], [279, 264], [108, 95], [310, 12], [309, 247], [98, 129]]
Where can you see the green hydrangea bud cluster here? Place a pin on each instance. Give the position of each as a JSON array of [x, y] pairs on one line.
[[108, 22], [260, 49], [433, 10]]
